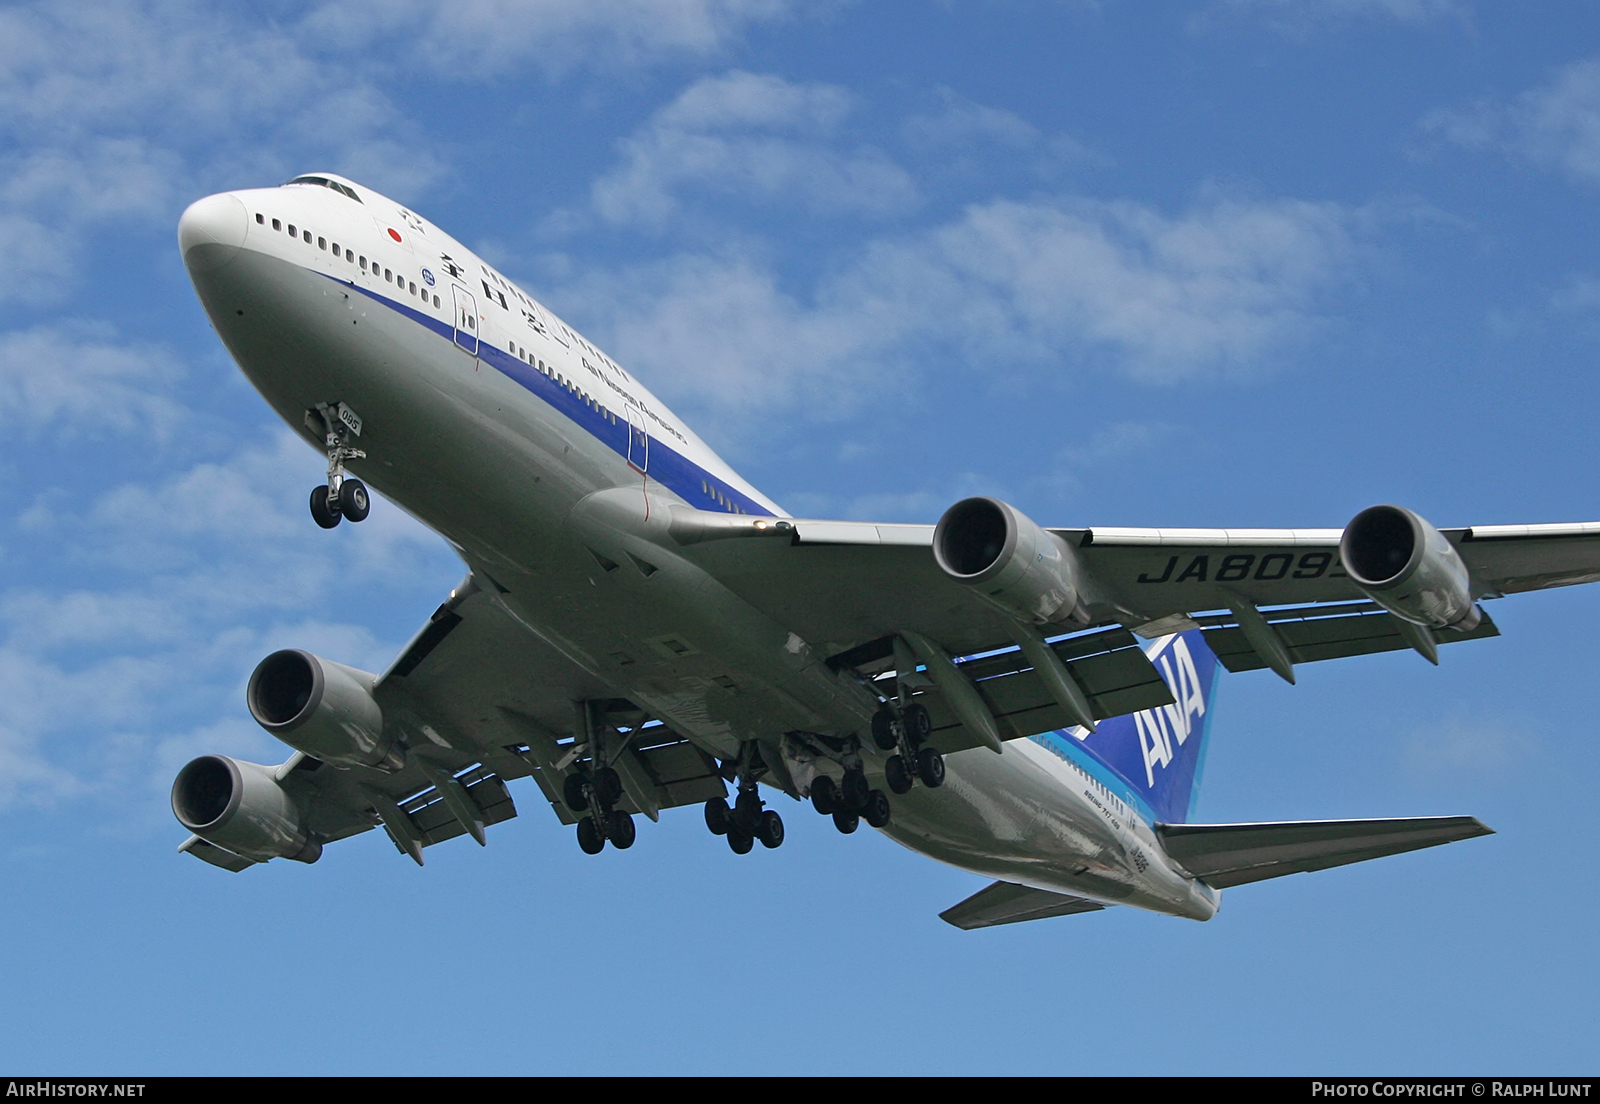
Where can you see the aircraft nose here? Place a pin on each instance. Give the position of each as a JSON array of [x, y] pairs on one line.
[[211, 231]]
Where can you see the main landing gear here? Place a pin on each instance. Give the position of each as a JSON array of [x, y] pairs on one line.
[[595, 792], [850, 800], [914, 759], [747, 820], [343, 496], [594, 786]]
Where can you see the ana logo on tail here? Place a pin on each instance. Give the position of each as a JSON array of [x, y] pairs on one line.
[[1159, 728], [1158, 751]]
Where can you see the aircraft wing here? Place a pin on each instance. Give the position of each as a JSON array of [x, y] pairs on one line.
[[482, 701], [844, 581], [851, 587]]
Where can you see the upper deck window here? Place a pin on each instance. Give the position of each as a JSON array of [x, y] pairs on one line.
[[324, 182]]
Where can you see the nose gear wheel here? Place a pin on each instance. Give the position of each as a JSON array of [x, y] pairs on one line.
[[343, 496]]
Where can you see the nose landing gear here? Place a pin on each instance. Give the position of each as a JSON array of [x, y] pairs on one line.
[[343, 496]]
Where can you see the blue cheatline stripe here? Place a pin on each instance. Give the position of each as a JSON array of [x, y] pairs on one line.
[[667, 466], [1061, 743]]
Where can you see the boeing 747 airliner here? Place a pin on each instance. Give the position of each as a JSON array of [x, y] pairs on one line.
[[640, 628]]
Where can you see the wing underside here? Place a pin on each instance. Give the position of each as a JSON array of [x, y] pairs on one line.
[[481, 702]]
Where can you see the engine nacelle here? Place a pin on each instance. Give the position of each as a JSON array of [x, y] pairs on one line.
[[322, 708], [1409, 568], [240, 807], [1014, 564]]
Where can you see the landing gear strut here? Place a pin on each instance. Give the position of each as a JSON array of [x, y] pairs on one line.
[[851, 799], [595, 792], [596, 788], [907, 735], [748, 820], [343, 496]]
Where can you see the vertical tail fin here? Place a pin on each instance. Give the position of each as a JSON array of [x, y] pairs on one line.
[[1159, 753]]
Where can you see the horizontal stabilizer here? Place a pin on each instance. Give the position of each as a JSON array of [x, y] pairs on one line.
[[1226, 855], [1008, 903]]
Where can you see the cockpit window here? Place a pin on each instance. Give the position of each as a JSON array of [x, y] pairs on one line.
[[324, 182]]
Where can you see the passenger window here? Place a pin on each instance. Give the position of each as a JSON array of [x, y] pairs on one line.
[[276, 225], [388, 275], [436, 300], [260, 219], [363, 264], [292, 234], [413, 289], [322, 243], [349, 254], [335, 249]]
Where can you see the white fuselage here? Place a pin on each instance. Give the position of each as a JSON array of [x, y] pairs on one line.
[[540, 459]]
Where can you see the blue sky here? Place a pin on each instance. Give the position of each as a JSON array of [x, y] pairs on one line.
[[1238, 262]]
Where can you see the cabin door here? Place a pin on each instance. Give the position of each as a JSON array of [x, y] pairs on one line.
[[466, 319]]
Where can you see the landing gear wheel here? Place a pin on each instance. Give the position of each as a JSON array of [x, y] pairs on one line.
[[589, 837], [323, 512], [354, 501], [747, 812], [930, 767], [846, 822], [883, 733], [717, 816], [607, 786], [918, 725], [619, 826], [876, 812], [854, 791], [741, 842], [824, 794], [572, 793], [895, 773], [770, 830]]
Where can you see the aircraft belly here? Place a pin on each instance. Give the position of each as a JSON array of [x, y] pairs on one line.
[[1010, 818]]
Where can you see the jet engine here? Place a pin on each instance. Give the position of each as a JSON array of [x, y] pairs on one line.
[[1014, 564], [1409, 568], [322, 708], [240, 807]]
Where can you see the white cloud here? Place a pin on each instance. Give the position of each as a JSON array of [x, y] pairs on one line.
[[1556, 125], [127, 109], [962, 128], [1216, 288], [79, 378], [1037, 287], [1302, 14], [470, 39], [750, 137], [175, 590], [1475, 746], [1581, 296]]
